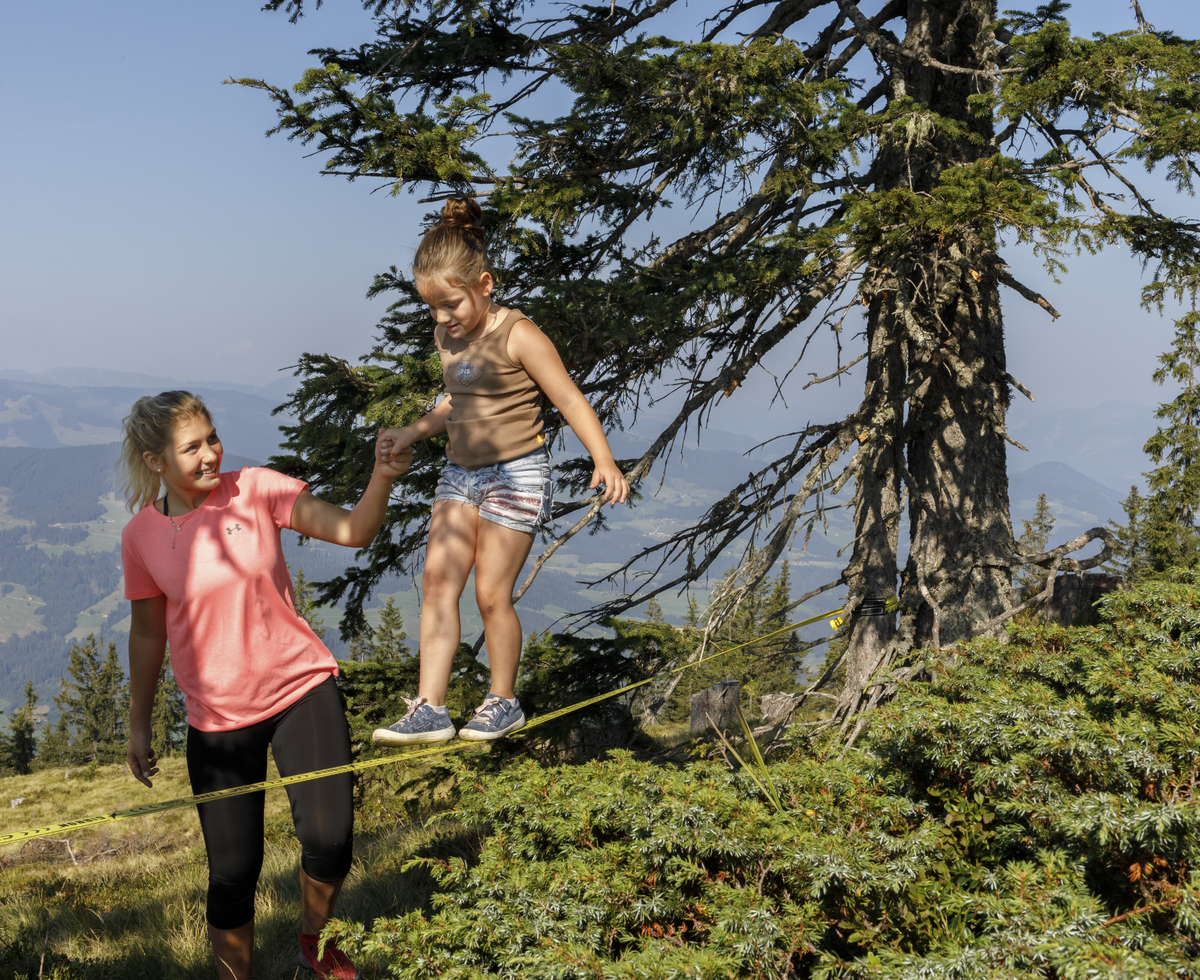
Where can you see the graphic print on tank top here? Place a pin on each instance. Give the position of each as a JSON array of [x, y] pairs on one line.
[[467, 372]]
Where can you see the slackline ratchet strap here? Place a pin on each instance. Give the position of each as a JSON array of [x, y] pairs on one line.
[[149, 808]]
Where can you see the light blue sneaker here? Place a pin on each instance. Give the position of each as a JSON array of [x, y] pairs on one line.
[[421, 723], [494, 718]]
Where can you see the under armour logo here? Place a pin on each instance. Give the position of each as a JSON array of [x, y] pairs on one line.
[[230, 528]]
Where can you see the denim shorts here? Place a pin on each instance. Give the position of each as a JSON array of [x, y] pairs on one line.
[[516, 494]]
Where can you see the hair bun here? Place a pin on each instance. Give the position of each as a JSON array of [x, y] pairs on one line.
[[464, 213]]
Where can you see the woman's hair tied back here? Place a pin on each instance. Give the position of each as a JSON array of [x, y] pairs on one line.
[[148, 428]]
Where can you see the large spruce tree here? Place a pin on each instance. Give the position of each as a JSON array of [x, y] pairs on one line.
[[866, 168]]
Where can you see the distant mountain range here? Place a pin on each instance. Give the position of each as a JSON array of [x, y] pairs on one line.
[[1103, 443], [87, 377], [46, 416]]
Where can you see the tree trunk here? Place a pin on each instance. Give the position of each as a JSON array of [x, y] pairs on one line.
[[936, 334], [871, 574]]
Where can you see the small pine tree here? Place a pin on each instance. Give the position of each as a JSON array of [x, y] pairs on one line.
[[168, 717], [113, 707], [389, 636], [780, 669], [94, 702], [762, 668], [1031, 579], [5, 753], [22, 743], [305, 603], [1171, 536], [55, 749], [360, 647], [1129, 557], [693, 612], [781, 595], [654, 611]]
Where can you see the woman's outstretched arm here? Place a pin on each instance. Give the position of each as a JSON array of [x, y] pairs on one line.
[[147, 645], [355, 528]]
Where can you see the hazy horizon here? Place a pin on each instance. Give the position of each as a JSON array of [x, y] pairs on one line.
[[162, 235]]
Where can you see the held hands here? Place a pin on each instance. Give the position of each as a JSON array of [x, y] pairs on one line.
[[616, 487], [141, 759], [393, 454]]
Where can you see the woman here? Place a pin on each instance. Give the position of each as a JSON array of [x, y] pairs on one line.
[[204, 571]]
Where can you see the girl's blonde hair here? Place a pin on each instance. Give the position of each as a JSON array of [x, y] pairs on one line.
[[454, 249], [148, 429]]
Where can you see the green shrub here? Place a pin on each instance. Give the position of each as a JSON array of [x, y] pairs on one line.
[[1029, 813]]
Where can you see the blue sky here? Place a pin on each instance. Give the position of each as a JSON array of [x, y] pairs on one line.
[[150, 227]]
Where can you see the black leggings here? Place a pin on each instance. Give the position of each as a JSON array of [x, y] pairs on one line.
[[308, 735]]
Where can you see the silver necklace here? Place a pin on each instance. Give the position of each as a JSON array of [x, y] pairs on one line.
[[182, 521]]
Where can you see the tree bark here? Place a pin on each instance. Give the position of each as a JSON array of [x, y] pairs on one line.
[[936, 348]]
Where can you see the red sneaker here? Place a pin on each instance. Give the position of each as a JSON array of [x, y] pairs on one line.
[[334, 965]]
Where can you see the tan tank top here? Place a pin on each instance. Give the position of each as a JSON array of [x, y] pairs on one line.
[[496, 409]]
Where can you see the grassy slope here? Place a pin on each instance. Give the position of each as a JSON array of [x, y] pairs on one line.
[[134, 904]]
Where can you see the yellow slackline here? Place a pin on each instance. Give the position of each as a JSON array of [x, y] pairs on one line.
[[142, 811]]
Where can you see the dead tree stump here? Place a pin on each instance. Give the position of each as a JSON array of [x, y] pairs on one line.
[[718, 703], [1075, 596]]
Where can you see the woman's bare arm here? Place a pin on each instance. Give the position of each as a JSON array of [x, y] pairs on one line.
[[147, 646], [355, 528]]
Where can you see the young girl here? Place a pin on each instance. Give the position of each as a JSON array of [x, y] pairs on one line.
[[204, 571], [495, 488]]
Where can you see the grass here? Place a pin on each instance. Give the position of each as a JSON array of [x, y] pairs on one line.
[[130, 903], [95, 619], [19, 612]]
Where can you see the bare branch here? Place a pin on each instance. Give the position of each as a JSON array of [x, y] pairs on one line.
[[1033, 296], [1047, 558], [830, 377], [804, 598], [1017, 384], [982, 72], [883, 44]]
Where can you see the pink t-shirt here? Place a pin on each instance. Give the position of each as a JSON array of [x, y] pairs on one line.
[[239, 650]]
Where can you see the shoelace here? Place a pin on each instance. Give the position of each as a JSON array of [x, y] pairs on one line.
[[490, 707], [413, 705]]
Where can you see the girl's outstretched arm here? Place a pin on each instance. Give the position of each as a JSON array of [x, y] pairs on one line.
[[394, 441], [315, 518], [536, 353]]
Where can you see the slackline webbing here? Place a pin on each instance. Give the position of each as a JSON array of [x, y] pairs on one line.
[[449, 746]]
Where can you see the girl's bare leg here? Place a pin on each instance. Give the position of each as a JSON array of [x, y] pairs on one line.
[[500, 553], [449, 555]]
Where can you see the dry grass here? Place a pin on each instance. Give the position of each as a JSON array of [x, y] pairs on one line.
[[131, 903]]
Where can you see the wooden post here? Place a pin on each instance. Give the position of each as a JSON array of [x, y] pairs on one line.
[[718, 704]]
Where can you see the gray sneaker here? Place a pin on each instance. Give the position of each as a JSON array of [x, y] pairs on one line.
[[421, 723], [493, 719]]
